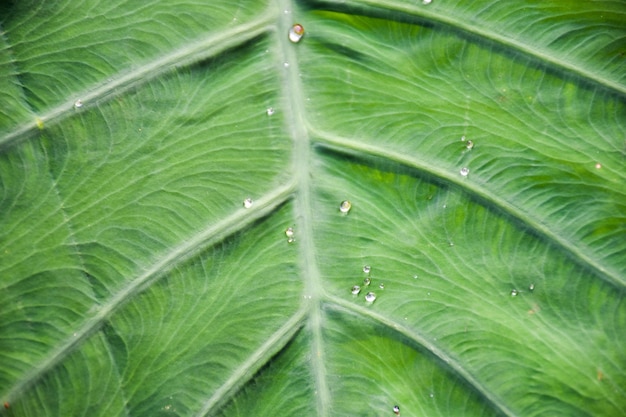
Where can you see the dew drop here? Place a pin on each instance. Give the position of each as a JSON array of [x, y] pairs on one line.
[[289, 232], [78, 104], [291, 240], [381, 286], [270, 111], [247, 203], [356, 290], [432, 395], [414, 276], [367, 269], [598, 165], [514, 292], [469, 145], [396, 410], [345, 206], [370, 297], [286, 64], [531, 287], [367, 281], [427, 1], [464, 171], [296, 32]]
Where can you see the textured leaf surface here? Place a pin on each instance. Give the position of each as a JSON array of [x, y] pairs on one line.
[[136, 283]]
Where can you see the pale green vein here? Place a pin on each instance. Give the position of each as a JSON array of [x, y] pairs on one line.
[[347, 146], [360, 311], [294, 99], [187, 55], [206, 238], [482, 32], [260, 357]]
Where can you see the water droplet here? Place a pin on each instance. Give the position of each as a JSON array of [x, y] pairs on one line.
[[289, 232], [469, 145], [514, 292], [270, 111], [464, 171], [291, 240], [414, 276], [598, 165], [432, 395], [286, 64], [531, 287], [367, 269], [345, 206], [78, 104], [296, 33], [396, 410], [247, 203], [367, 281], [370, 297], [463, 138], [356, 290], [427, 1], [381, 286]]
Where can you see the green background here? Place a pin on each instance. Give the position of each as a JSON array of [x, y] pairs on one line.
[[134, 282]]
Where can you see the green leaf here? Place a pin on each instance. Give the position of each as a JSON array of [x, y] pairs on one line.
[[481, 147]]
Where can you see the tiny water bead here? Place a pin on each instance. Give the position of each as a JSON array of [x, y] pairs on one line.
[[469, 145], [356, 290], [427, 1], [270, 111], [78, 104], [345, 206], [367, 269], [531, 287], [464, 171], [514, 292], [598, 165], [289, 232], [367, 281], [381, 286], [296, 32], [370, 297], [396, 410], [247, 203]]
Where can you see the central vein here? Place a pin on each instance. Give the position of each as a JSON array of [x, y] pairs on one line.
[[294, 100]]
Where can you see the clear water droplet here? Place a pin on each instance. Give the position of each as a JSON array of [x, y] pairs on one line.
[[289, 232], [345, 206], [291, 240], [296, 32], [367, 281], [463, 138], [464, 171], [270, 111], [247, 203], [414, 276], [78, 104], [514, 292], [367, 269], [381, 286], [427, 1], [356, 290], [531, 287], [396, 410], [598, 165], [432, 395], [469, 145], [286, 64], [370, 297]]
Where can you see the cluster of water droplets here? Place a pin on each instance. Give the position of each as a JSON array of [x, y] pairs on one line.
[[370, 296]]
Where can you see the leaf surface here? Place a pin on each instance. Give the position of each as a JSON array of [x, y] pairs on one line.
[[171, 177]]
